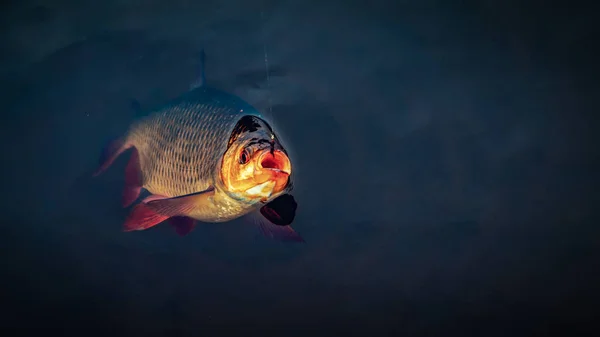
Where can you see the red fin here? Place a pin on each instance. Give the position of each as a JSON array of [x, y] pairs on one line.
[[181, 205], [142, 217], [183, 225], [147, 214], [133, 179], [111, 151], [273, 231]]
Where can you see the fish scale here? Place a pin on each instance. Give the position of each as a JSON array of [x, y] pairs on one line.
[[181, 145]]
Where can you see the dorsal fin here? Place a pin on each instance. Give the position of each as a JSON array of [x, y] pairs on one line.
[[136, 107], [201, 80]]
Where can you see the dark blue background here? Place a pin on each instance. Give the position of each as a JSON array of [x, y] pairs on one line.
[[444, 156]]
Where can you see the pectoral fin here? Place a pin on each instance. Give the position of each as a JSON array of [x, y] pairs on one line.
[[201, 79], [142, 217], [151, 213]]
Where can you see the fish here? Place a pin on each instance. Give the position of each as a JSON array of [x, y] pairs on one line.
[[205, 156]]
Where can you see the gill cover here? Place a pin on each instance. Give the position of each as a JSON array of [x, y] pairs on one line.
[[255, 166]]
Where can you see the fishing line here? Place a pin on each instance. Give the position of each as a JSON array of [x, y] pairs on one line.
[[264, 41]]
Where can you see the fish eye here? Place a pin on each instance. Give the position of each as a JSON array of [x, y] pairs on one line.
[[244, 156]]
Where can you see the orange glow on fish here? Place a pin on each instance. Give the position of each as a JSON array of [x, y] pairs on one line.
[[255, 173]]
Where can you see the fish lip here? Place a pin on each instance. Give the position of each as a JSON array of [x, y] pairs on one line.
[[286, 172]]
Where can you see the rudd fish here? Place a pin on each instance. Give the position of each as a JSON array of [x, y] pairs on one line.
[[207, 156]]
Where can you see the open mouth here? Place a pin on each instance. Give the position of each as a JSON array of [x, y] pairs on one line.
[[276, 161]]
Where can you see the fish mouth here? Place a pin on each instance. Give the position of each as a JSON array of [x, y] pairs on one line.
[[276, 167], [275, 161]]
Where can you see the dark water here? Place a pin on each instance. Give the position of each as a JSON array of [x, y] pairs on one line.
[[445, 160]]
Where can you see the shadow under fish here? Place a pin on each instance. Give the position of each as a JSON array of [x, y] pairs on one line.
[[205, 156]]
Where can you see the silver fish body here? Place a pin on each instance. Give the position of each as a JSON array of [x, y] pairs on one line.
[[209, 156], [181, 144]]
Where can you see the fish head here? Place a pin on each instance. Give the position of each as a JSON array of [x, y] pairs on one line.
[[255, 166]]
